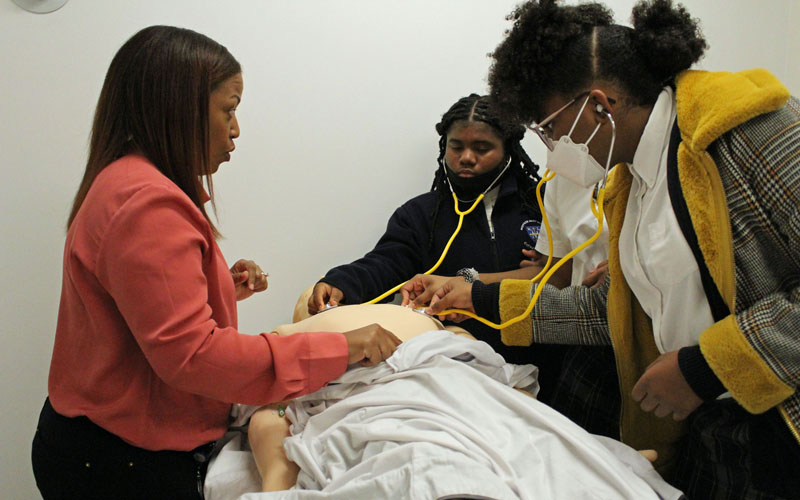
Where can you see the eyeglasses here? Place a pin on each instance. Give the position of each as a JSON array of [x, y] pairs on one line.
[[543, 133]]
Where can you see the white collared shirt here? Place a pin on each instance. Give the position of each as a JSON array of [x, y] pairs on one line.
[[489, 199], [656, 260]]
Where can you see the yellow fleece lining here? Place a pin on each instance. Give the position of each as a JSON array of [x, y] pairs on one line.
[[705, 196], [515, 295], [743, 372], [710, 104]]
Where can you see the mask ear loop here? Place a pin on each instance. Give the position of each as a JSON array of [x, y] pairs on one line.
[[611, 147], [597, 204], [578, 117], [592, 136], [461, 215]]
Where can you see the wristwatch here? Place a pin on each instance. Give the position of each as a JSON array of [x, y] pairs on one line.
[[469, 274]]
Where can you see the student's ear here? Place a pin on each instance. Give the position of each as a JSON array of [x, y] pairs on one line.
[[601, 104]]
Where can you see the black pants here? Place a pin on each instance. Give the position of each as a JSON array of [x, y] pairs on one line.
[[74, 458]]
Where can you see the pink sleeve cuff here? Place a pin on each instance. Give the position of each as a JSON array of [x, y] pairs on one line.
[[305, 362]]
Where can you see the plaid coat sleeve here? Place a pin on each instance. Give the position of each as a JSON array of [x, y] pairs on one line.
[[572, 315], [759, 165]]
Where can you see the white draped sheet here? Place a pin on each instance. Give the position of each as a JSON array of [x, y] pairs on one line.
[[441, 418]]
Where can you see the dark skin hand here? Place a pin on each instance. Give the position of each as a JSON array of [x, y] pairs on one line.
[[455, 294], [663, 390], [418, 290], [371, 344], [323, 294], [596, 276], [248, 278], [532, 258]]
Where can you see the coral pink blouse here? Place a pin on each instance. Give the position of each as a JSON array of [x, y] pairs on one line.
[[146, 344]]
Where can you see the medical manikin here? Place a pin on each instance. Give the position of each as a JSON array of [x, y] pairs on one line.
[[268, 426]]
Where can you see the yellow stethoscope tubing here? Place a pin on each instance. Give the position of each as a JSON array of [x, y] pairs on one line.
[[444, 252], [597, 210]]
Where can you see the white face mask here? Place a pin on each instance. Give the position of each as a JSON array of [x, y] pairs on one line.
[[573, 161]]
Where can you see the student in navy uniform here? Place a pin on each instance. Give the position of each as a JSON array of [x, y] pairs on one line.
[[477, 151]]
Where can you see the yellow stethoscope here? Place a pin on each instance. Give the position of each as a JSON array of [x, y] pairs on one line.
[[596, 204]]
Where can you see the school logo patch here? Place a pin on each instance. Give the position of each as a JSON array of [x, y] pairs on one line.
[[531, 228]]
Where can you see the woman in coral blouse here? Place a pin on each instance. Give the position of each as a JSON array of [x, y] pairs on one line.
[[147, 357]]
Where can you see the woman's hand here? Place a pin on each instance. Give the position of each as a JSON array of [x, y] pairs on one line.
[[663, 390], [455, 294], [248, 278], [369, 345], [596, 276], [323, 294], [532, 258], [420, 289]]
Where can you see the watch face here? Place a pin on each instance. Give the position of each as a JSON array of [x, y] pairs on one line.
[[469, 274]]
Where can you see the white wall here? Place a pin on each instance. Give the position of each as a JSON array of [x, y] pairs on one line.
[[337, 130]]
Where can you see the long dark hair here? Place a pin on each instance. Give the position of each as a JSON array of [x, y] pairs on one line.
[[557, 50], [475, 107], [154, 102]]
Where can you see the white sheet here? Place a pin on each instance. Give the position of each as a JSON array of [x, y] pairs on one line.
[[440, 418]]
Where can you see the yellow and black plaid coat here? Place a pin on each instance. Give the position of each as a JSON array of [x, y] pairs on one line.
[[739, 169]]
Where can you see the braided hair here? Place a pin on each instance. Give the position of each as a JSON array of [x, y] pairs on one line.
[[475, 107], [560, 50]]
